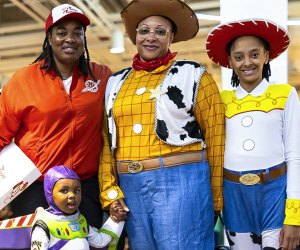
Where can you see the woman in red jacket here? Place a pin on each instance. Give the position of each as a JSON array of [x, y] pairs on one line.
[[53, 111]]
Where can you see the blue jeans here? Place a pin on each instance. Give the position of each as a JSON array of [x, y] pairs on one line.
[[170, 208]]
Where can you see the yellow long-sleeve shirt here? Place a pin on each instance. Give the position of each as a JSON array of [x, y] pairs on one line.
[[133, 106]]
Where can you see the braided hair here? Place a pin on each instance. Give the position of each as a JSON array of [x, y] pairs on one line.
[[266, 72], [47, 56]]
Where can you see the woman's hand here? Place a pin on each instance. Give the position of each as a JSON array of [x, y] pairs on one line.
[[118, 210], [289, 237]]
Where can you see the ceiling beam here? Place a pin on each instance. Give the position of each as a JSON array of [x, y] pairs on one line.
[[10, 66], [55, 2], [21, 40], [102, 14], [33, 15], [205, 5], [20, 27], [38, 7], [103, 30], [19, 52]]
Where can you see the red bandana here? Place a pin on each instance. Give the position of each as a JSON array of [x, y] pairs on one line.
[[138, 64]]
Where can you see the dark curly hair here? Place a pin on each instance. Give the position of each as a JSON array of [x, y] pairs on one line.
[[47, 56], [266, 72]]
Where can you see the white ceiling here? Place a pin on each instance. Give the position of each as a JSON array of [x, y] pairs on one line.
[[22, 34]]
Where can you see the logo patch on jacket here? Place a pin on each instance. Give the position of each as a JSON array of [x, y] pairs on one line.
[[91, 86]]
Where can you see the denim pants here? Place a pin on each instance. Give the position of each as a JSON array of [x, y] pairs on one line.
[[170, 208], [254, 214], [261, 206]]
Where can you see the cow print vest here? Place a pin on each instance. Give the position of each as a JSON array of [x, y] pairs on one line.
[[175, 123]]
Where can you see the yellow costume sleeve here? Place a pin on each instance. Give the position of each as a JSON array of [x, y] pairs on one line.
[[107, 174], [292, 212], [209, 112]]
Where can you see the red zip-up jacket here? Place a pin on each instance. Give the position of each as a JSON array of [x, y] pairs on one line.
[[51, 126]]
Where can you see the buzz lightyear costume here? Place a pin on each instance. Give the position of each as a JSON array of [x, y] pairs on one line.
[[55, 230]]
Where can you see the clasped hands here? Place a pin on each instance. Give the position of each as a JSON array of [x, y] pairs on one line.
[[118, 210]]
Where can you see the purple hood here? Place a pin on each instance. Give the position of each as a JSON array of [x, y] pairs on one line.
[[52, 176]]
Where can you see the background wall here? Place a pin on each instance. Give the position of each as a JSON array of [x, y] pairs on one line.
[[22, 34]]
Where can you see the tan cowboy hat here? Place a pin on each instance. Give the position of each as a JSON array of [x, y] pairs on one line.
[[219, 37], [180, 13]]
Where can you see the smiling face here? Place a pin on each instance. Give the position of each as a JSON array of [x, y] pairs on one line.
[[67, 195], [247, 58], [155, 44], [67, 43]]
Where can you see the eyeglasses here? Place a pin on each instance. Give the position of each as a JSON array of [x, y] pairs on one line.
[[145, 32]]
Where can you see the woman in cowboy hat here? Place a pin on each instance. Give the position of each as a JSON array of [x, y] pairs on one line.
[[262, 153], [166, 135], [52, 110]]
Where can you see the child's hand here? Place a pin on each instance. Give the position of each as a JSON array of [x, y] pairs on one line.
[[5, 213], [118, 210]]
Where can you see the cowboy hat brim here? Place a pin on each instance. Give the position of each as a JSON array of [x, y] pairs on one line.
[[180, 13], [219, 37]]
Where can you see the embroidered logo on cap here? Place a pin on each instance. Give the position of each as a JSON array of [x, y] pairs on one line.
[[69, 9], [64, 10]]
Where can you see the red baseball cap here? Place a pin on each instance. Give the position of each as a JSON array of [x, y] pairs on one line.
[[65, 11], [219, 37]]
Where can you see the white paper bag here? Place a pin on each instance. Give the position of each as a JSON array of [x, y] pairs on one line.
[[17, 172]]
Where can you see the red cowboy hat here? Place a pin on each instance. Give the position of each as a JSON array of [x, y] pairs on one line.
[[219, 37]]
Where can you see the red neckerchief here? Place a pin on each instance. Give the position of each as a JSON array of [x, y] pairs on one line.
[[138, 64]]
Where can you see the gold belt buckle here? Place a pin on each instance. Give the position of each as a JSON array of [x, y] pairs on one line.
[[134, 167], [249, 179]]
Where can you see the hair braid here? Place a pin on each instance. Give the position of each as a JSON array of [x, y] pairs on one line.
[[87, 60], [266, 71], [235, 81], [42, 55]]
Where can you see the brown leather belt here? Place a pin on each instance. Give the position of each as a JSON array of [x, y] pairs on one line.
[[133, 167], [254, 178]]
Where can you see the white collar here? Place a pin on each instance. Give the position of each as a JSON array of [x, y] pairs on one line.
[[59, 217], [258, 91]]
